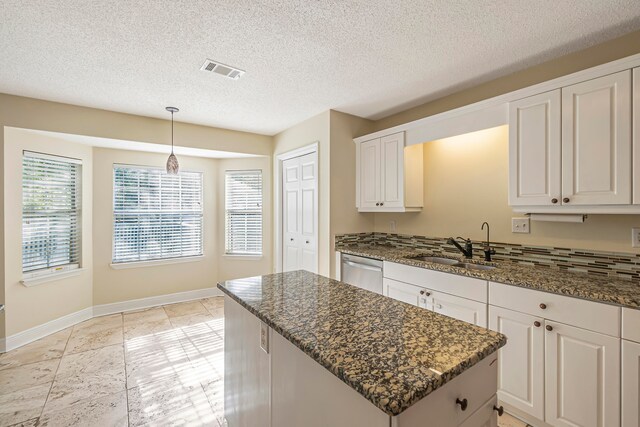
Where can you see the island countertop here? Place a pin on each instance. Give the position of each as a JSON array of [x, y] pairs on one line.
[[392, 353]]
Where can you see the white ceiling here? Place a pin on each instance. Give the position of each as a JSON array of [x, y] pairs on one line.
[[368, 58]]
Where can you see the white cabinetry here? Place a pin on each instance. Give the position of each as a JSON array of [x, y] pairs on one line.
[[636, 136], [630, 383], [561, 363], [534, 150], [459, 308], [521, 361], [570, 148], [582, 373], [422, 287], [596, 141], [389, 175]]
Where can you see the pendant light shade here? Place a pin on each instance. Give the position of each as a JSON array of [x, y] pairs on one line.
[[173, 167]]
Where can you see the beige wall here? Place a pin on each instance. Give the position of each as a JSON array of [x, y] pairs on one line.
[[315, 129], [29, 307], [132, 283], [34, 304], [345, 217], [606, 52], [230, 266], [466, 180]]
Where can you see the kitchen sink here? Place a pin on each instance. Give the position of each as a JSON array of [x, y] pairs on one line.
[[470, 266], [437, 260]]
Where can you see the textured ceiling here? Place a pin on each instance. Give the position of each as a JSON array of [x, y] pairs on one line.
[[368, 58]]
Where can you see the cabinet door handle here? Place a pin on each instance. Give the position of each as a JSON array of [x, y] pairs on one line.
[[554, 200], [381, 203], [536, 324], [543, 306], [423, 292], [565, 200], [500, 409], [307, 242], [291, 239], [463, 403], [378, 204], [549, 328]]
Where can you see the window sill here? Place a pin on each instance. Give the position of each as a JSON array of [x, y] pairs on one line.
[[243, 257], [154, 263], [39, 280]]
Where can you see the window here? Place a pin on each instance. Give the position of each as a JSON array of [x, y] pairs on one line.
[[50, 213], [243, 212], [156, 216]]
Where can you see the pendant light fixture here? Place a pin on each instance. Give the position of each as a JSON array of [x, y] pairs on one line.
[[172, 162]]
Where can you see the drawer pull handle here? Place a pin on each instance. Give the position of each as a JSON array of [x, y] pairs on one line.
[[307, 242], [554, 200], [378, 204], [463, 403], [500, 409], [543, 306], [536, 324], [565, 200], [549, 328], [423, 292]]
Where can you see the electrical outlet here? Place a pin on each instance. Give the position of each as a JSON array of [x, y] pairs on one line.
[[520, 225], [635, 237], [392, 227], [264, 337]]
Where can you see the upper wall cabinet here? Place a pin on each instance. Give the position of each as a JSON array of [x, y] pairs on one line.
[[389, 175], [570, 149]]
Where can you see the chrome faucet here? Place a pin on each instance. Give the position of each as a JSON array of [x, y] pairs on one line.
[[467, 251], [487, 247]]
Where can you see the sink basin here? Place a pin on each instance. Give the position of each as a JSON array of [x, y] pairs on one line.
[[470, 266], [437, 260]]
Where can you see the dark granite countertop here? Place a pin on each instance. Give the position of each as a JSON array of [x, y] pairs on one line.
[[607, 290], [392, 353]]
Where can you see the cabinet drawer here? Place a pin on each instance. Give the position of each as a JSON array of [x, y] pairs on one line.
[[464, 309], [477, 385], [462, 286], [590, 315], [631, 324]]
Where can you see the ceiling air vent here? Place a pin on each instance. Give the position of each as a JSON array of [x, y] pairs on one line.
[[223, 70]]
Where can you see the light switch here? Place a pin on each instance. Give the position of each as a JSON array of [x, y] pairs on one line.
[[264, 337], [520, 225]]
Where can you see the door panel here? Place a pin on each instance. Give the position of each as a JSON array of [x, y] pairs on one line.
[[596, 141], [630, 383], [393, 170], [460, 308], [534, 150], [403, 292], [521, 361], [370, 173], [582, 372]]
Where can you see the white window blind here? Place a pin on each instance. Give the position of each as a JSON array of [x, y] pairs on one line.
[[50, 213], [243, 206], [156, 215]]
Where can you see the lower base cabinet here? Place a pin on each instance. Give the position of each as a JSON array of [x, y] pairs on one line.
[[582, 373], [521, 361], [630, 383]]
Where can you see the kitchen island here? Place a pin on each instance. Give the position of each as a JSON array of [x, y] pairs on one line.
[[305, 350]]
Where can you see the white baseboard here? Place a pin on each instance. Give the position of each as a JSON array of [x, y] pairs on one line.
[[25, 337], [138, 304]]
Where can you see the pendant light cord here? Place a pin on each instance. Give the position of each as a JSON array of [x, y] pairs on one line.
[[172, 132]]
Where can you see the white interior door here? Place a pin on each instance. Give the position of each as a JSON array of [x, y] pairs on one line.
[[596, 141], [521, 361], [300, 213], [582, 372], [534, 150]]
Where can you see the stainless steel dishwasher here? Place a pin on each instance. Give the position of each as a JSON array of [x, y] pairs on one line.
[[365, 273]]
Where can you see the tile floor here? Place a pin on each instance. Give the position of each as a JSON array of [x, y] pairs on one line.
[[159, 366]]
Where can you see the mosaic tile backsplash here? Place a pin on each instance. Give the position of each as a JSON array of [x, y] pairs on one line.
[[613, 264]]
